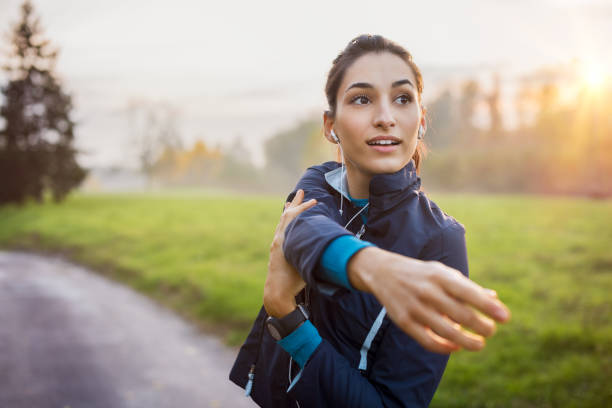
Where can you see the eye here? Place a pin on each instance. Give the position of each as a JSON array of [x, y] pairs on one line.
[[404, 99], [360, 100]]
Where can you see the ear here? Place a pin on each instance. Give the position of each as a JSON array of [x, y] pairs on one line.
[[328, 125], [423, 118]]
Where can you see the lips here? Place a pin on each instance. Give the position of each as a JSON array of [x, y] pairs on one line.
[[384, 144], [384, 141]]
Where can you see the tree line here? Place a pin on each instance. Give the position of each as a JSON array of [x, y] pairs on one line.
[[561, 143]]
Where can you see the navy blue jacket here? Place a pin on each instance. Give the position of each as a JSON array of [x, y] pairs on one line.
[[364, 359]]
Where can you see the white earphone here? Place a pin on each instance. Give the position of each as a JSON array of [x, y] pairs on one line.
[[337, 140], [421, 132], [333, 135]]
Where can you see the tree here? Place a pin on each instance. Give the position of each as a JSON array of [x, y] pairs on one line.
[[290, 152], [154, 132], [470, 94], [523, 103], [237, 168], [468, 100], [36, 151], [442, 127]]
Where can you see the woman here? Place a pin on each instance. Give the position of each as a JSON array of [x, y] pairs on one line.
[[382, 308]]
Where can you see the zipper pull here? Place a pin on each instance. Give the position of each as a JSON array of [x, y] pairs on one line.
[[249, 385], [361, 231]]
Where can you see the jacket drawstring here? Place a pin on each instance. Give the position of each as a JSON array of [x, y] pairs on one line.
[[249, 385]]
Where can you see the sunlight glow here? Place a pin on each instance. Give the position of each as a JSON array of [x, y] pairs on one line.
[[594, 76]]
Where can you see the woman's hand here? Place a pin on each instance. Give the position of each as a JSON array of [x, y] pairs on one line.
[[283, 281], [427, 299]]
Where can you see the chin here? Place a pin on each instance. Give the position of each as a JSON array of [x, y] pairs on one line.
[[386, 166]]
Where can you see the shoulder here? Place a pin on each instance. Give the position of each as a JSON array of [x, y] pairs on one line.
[[441, 223], [446, 241], [321, 169], [314, 176]]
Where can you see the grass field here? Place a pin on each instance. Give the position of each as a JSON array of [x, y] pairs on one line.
[[550, 259]]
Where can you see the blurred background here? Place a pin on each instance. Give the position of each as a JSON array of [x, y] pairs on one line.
[[155, 143]]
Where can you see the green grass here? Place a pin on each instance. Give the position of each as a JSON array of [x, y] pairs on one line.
[[205, 255]]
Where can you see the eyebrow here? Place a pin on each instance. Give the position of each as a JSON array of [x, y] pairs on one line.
[[367, 85], [402, 82]]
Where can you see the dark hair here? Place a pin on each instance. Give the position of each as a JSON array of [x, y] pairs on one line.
[[361, 45]]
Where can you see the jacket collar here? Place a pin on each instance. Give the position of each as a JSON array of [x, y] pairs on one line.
[[334, 178], [385, 189]]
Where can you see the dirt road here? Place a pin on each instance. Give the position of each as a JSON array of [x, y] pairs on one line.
[[71, 338]]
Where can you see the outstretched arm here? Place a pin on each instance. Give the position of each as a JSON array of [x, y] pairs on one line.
[[429, 300]]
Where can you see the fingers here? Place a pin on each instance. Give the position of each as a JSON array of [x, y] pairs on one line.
[[297, 199], [460, 313], [292, 209], [304, 206], [491, 292], [409, 320], [448, 329], [431, 341], [471, 293], [296, 206]]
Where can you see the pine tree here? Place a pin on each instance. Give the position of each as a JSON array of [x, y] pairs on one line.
[[36, 143]]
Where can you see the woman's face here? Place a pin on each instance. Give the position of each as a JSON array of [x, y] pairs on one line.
[[377, 115]]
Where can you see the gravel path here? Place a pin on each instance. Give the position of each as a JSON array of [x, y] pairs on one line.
[[71, 338]]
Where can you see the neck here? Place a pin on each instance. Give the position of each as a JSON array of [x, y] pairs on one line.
[[358, 182]]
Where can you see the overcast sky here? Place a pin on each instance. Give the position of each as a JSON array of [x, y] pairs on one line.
[[247, 69]]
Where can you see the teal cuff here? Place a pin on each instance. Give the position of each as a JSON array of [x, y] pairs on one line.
[[301, 343], [336, 257]]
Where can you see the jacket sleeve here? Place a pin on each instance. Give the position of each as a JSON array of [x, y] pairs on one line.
[[307, 236], [401, 374], [335, 258]]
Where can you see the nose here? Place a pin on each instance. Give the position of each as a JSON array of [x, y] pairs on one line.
[[384, 117]]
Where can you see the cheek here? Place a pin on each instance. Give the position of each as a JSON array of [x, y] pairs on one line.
[[411, 120], [413, 146], [353, 127]]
